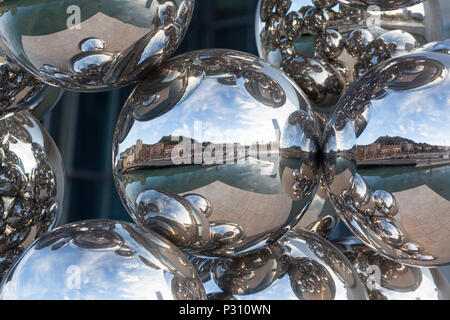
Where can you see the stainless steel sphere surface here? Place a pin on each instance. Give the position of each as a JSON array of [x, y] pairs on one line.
[[31, 185], [19, 91], [302, 266], [381, 4], [385, 279], [387, 159], [436, 46], [324, 46], [88, 45], [102, 260], [229, 128]]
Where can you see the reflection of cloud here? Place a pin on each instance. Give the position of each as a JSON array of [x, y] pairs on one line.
[[419, 115], [215, 113]]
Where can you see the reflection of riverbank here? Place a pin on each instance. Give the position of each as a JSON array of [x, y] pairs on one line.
[[397, 179], [432, 163], [422, 163], [168, 162], [385, 163]]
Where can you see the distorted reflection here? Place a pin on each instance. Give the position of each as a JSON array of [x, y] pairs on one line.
[[387, 280], [92, 46], [439, 46], [173, 217], [387, 161], [225, 134], [31, 185], [20, 91], [325, 46], [301, 266], [382, 4], [200, 203], [102, 259]]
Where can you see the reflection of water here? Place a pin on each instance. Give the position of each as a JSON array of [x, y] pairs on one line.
[[245, 174], [396, 179]]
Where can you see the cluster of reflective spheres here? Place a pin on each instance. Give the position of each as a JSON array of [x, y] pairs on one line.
[[232, 137], [92, 45], [31, 185], [218, 152], [402, 103], [218, 155], [50, 46], [325, 46]]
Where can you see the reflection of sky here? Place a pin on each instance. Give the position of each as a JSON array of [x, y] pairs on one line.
[[418, 8], [422, 116], [24, 150], [103, 274], [214, 113]]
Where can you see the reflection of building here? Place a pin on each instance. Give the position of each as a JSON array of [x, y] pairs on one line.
[[145, 151], [368, 152], [182, 150], [400, 148], [390, 150], [407, 147]]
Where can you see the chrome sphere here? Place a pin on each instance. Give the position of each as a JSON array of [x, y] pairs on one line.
[[387, 159], [301, 266], [102, 260], [227, 127], [31, 185], [325, 46], [321, 217], [385, 279], [437, 46], [88, 45], [381, 4], [20, 91]]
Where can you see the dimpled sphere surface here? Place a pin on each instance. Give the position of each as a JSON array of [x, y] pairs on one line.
[[31, 185], [19, 91], [92, 45], [382, 4], [324, 46], [301, 266], [387, 165], [102, 259], [225, 126], [395, 281]]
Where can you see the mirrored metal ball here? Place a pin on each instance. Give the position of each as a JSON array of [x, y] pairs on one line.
[[348, 41], [31, 185], [102, 260], [20, 91], [404, 41], [437, 46], [381, 4], [385, 279], [225, 145], [387, 159], [302, 266], [93, 45]]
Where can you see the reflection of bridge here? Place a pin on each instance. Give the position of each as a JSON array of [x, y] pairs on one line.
[[425, 163]]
